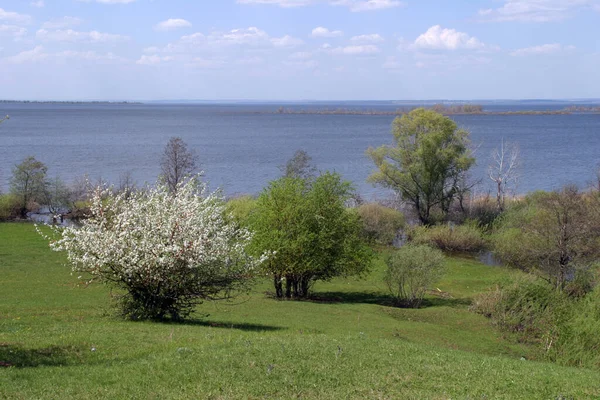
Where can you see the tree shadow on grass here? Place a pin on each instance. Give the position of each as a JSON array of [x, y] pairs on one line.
[[226, 325], [14, 355], [383, 299]]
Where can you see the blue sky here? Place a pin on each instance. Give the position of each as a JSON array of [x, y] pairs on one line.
[[299, 49]]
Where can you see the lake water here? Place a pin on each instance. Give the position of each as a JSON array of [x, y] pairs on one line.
[[240, 150]]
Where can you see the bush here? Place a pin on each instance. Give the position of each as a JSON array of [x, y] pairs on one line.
[[579, 342], [528, 306], [167, 250], [458, 238], [380, 224], [410, 270], [9, 207], [239, 209]]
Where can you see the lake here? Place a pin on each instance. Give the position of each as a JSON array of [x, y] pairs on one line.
[[240, 148]]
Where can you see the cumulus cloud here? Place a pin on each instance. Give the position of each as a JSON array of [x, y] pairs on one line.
[[69, 35], [172, 24], [541, 50], [14, 18], [62, 23], [536, 10], [438, 38], [38, 4], [13, 31], [356, 50], [372, 38], [324, 32], [286, 41]]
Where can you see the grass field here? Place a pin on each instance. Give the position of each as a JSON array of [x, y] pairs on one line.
[[60, 340]]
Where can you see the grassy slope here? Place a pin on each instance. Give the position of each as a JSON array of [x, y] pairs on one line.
[[348, 345]]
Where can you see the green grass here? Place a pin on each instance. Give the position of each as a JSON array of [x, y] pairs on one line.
[[63, 341]]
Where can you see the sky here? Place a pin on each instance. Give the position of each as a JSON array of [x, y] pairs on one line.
[[299, 49]]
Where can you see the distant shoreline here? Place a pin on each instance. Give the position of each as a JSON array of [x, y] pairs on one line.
[[65, 102]]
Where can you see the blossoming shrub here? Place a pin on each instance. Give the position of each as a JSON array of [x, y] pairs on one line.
[[168, 251]]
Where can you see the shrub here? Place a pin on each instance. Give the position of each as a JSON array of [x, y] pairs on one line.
[[239, 209], [579, 342], [167, 250], [9, 207], [410, 270], [528, 306], [380, 224], [458, 238]]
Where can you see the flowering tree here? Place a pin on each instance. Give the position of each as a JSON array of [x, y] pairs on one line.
[[168, 250]]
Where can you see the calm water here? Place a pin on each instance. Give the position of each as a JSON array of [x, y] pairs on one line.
[[240, 151]]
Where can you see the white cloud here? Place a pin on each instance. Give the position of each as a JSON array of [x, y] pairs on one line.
[[286, 41], [536, 10], [72, 36], [172, 24], [356, 50], [372, 38], [253, 60], [14, 18], [38, 4], [12, 30], [62, 23], [353, 5], [152, 60], [32, 55], [438, 38], [301, 55], [38, 54], [541, 50], [324, 32], [368, 5], [252, 37]]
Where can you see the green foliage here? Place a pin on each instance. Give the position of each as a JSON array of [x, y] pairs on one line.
[[380, 224], [552, 234], [9, 207], [427, 164], [311, 233], [28, 183], [453, 238], [579, 342], [528, 306], [410, 271], [240, 208]]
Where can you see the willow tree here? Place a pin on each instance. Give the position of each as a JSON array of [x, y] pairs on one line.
[[427, 163]]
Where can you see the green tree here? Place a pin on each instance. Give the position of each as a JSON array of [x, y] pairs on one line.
[[427, 164], [310, 232], [299, 166], [553, 234], [28, 183]]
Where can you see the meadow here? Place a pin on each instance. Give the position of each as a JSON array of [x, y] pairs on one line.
[[61, 339]]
